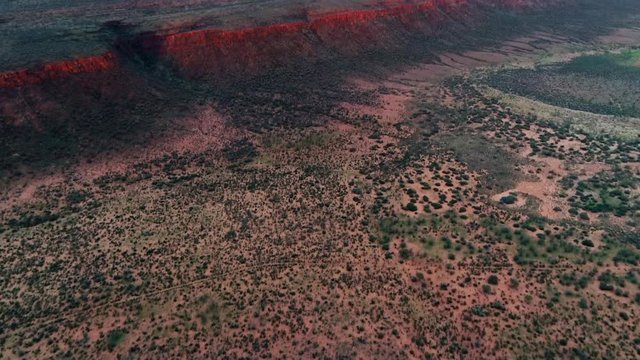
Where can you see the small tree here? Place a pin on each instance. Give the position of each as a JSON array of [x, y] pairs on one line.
[[493, 280], [508, 200]]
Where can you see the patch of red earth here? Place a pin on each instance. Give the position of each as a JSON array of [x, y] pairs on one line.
[[394, 98], [470, 295], [548, 171], [25, 189], [206, 129], [390, 111]]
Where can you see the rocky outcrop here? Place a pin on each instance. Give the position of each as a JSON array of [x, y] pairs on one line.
[[220, 53], [57, 70]]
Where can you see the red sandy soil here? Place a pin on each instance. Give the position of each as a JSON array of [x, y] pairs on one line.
[[205, 130]]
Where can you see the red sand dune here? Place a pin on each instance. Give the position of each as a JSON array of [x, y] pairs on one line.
[[220, 52]]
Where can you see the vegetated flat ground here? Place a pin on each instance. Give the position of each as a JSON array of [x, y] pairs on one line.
[[449, 209], [603, 83]]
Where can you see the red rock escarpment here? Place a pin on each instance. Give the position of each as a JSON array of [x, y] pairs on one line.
[[219, 53], [59, 69]]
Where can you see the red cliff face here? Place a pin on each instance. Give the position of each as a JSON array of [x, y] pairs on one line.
[[219, 53], [56, 70]]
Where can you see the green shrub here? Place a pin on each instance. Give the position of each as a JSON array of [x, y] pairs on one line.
[[115, 337], [493, 280], [587, 243], [411, 207], [508, 200], [583, 303], [627, 256]]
